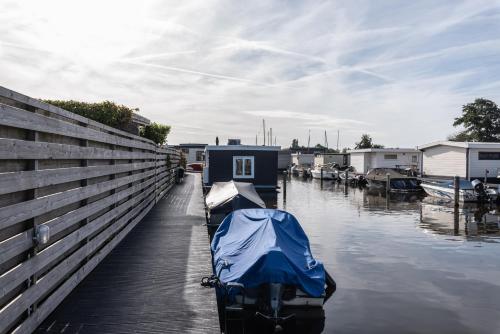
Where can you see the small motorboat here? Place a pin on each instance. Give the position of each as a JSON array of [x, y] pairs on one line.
[[377, 178], [225, 197], [329, 173], [469, 191], [264, 271]]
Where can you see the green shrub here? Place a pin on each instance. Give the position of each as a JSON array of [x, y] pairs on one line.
[[156, 132], [106, 112]]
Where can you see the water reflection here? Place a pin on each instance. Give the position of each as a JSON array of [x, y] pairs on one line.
[[402, 263], [471, 221]]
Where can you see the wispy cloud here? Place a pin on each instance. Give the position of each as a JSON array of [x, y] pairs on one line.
[[398, 70]]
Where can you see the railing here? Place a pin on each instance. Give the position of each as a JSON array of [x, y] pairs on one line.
[[89, 183]]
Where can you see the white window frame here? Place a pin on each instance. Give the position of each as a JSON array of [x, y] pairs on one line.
[[252, 173]]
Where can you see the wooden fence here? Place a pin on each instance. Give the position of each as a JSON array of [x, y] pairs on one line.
[[89, 183]]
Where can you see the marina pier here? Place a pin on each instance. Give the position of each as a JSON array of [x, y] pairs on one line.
[[151, 282]]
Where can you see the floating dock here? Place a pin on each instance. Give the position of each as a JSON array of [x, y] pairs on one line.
[[150, 283]]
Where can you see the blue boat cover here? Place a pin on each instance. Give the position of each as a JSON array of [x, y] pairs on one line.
[[257, 246]]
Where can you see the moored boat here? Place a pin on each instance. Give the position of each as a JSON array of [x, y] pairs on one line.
[[265, 270], [377, 178], [474, 191], [329, 173], [225, 197]]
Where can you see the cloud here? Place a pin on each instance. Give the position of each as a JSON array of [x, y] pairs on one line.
[[398, 70]]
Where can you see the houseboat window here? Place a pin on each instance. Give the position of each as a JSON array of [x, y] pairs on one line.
[[243, 167], [185, 150], [199, 155], [414, 158], [489, 155], [390, 156]]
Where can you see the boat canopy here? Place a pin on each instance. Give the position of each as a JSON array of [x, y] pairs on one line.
[[229, 196], [259, 246]]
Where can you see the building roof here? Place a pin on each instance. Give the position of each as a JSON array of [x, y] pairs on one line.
[[384, 150], [462, 144], [241, 148], [140, 120], [192, 145]]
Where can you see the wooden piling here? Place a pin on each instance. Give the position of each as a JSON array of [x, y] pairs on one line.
[[284, 185], [346, 177], [388, 183], [456, 187], [321, 178]]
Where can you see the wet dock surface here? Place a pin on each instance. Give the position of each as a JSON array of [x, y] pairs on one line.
[[151, 282]]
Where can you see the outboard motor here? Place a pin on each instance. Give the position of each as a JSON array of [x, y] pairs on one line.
[[480, 190]]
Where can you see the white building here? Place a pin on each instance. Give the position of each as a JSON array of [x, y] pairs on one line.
[[303, 159], [341, 159], [193, 152], [365, 159], [470, 160]]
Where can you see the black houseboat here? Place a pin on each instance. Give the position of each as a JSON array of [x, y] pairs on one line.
[[242, 163]]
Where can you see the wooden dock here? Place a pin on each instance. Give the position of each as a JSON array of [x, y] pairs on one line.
[[150, 282]]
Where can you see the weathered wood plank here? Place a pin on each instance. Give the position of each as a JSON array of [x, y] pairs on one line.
[[56, 297], [19, 305], [23, 241], [16, 213], [18, 97], [14, 277], [18, 181], [23, 149], [19, 118]]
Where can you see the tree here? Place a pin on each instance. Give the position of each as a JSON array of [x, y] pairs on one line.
[[295, 143], [367, 142], [481, 120], [156, 132]]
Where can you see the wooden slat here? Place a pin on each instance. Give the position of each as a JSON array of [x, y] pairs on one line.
[[18, 97], [16, 276], [18, 181], [22, 149], [56, 297], [19, 305], [19, 212], [23, 241], [19, 118]]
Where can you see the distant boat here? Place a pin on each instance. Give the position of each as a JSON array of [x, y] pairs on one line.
[[329, 173], [474, 191], [265, 270], [377, 178]]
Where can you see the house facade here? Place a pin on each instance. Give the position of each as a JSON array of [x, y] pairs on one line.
[[365, 159], [243, 163], [469, 160], [193, 152], [341, 159]]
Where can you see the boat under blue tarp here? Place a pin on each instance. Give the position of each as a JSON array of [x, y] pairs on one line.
[[259, 246]]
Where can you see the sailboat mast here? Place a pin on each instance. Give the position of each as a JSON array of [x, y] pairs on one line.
[[338, 136], [264, 130]]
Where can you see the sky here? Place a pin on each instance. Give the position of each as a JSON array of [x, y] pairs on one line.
[[398, 70]]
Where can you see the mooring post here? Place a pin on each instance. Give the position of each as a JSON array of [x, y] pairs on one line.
[[388, 183], [321, 177], [284, 185], [346, 176], [456, 187]]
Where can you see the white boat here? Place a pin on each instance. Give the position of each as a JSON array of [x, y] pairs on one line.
[[468, 191], [328, 173]]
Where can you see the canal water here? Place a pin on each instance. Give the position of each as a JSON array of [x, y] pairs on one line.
[[403, 264]]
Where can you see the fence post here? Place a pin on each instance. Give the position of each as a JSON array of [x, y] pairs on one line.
[[284, 185]]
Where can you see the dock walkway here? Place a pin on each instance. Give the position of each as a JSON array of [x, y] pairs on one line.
[[150, 282]]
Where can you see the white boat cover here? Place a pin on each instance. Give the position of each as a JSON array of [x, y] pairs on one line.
[[224, 192]]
